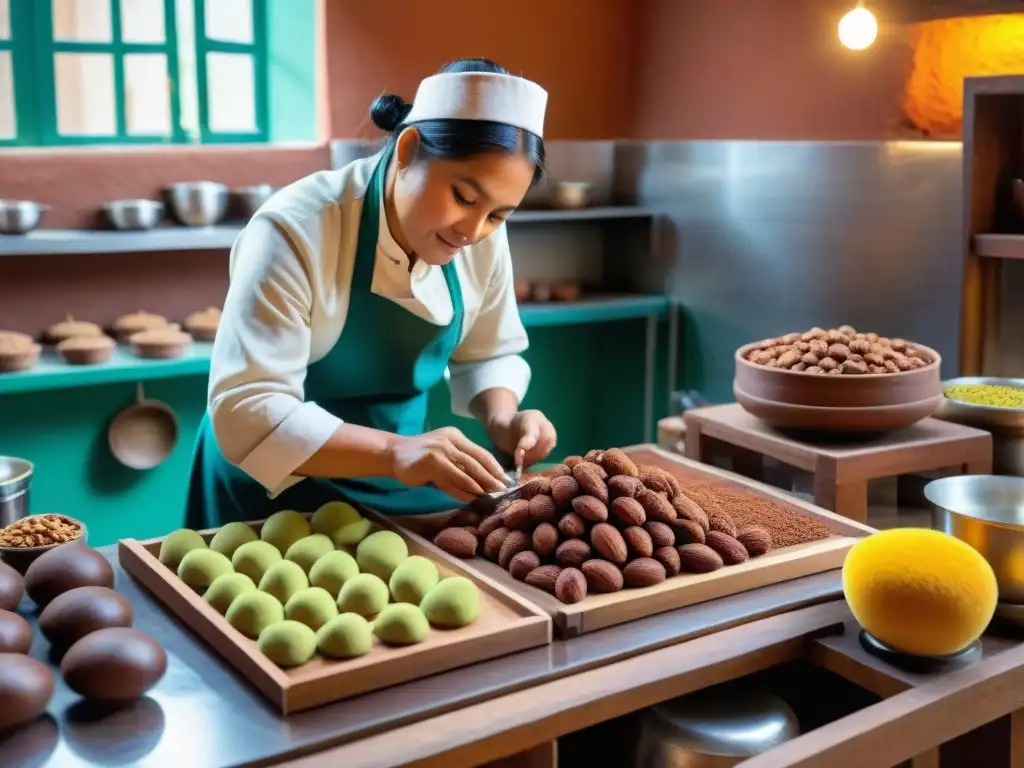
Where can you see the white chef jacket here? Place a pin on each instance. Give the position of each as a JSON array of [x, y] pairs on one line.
[[291, 274]]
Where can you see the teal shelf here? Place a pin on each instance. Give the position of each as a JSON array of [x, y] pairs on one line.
[[53, 373]]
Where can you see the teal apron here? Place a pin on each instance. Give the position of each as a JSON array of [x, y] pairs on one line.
[[376, 375]]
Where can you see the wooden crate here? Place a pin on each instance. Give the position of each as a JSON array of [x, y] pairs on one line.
[[507, 623], [598, 611]]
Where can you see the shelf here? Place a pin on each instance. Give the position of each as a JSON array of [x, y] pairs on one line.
[[52, 373], [999, 246], [48, 242]]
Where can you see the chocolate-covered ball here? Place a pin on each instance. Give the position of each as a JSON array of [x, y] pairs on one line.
[[73, 615], [26, 686], [12, 587], [65, 568], [15, 633], [116, 664]]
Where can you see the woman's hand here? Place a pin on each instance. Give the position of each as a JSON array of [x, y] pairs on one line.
[[449, 460], [527, 436]]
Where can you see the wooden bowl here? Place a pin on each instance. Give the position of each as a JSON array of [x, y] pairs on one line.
[[161, 343], [87, 350], [847, 391], [20, 358], [128, 325], [20, 558], [70, 328], [810, 418]]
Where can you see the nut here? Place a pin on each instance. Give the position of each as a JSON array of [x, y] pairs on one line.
[[564, 489], [653, 480], [593, 455], [656, 506], [819, 348], [687, 532], [838, 352], [638, 541], [720, 521], [616, 462], [687, 507], [827, 364], [40, 531], [542, 508], [698, 558], [590, 508], [545, 539], [572, 461], [514, 543], [668, 557], [662, 534], [457, 541], [623, 485], [602, 576], [570, 586], [756, 540], [860, 346], [588, 475], [521, 565], [643, 572], [559, 470], [572, 553], [571, 525], [731, 550], [789, 359], [491, 523], [533, 487], [609, 543], [517, 515], [544, 577], [629, 511], [494, 542]]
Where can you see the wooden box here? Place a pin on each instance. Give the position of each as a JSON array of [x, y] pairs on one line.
[[507, 623], [598, 611]]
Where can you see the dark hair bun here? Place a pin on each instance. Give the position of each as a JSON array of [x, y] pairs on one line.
[[389, 111]]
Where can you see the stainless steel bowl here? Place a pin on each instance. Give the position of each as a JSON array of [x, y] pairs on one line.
[[987, 512], [198, 203], [15, 479], [134, 214], [19, 217], [251, 198], [1005, 424], [571, 195]]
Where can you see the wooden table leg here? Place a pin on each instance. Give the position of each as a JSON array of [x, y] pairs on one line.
[[747, 463], [929, 759], [542, 756], [849, 500], [698, 445], [1017, 739]]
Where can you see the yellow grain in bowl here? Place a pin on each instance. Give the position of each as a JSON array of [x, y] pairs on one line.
[[994, 395]]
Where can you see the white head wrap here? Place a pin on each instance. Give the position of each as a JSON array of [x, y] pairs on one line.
[[481, 96]]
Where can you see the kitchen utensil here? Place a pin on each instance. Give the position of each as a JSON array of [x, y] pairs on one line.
[[488, 503], [161, 343], [987, 512], [15, 479], [70, 328], [19, 217], [143, 435], [87, 350], [1005, 424], [251, 198], [569, 195], [134, 214], [198, 203], [715, 728], [20, 558]]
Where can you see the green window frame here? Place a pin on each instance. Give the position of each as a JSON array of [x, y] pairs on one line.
[[45, 47], [257, 50], [19, 44]]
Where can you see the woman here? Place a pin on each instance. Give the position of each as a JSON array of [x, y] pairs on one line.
[[351, 292]]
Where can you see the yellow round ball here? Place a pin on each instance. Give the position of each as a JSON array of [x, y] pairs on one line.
[[920, 591]]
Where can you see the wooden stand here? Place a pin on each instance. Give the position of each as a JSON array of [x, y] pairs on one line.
[[841, 470]]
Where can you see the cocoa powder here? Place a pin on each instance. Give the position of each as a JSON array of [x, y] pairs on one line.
[[786, 525]]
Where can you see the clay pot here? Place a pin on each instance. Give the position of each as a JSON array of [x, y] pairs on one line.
[[87, 350], [160, 343], [18, 352], [70, 328], [203, 325], [126, 325]]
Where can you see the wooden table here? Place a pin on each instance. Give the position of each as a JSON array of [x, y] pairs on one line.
[[841, 468]]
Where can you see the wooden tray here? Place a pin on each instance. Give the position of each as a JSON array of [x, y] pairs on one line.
[[507, 624], [605, 610]]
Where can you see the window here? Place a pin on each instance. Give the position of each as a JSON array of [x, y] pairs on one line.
[[138, 71]]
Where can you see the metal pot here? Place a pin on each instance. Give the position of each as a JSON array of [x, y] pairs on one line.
[[19, 217], [987, 512], [251, 198], [134, 214], [1005, 424], [198, 203], [15, 479]]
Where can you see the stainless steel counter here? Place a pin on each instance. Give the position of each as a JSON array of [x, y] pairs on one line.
[[203, 714]]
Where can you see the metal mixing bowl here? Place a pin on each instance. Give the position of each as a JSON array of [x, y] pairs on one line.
[[134, 214], [198, 203], [19, 217], [251, 198], [15, 479], [1005, 424], [987, 512]]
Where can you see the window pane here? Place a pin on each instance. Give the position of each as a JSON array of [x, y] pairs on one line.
[[8, 121], [142, 21], [229, 20], [147, 97], [5, 19], [85, 94], [82, 21], [230, 93]]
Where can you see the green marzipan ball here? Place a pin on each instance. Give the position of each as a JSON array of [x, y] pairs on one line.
[[353, 533], [401, 624], [345, 637], [364, 594], [333, 516], [332, 570], [283, 580], [255, 559], [287, 643], [230, 537], [225, 588], [252, 612], [454, 602], [412, 579], [178, 544], [284, 528], [200, 567], [305, 552], [312, 606], [380, 553]]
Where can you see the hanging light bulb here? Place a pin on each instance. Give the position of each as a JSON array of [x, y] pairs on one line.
[[858, 28]]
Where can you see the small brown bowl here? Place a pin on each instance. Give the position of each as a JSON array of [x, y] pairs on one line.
[[160, 343], [128, 325], [203, 324], [20, 558], [87, 350], [70, 329], [14, 359]]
